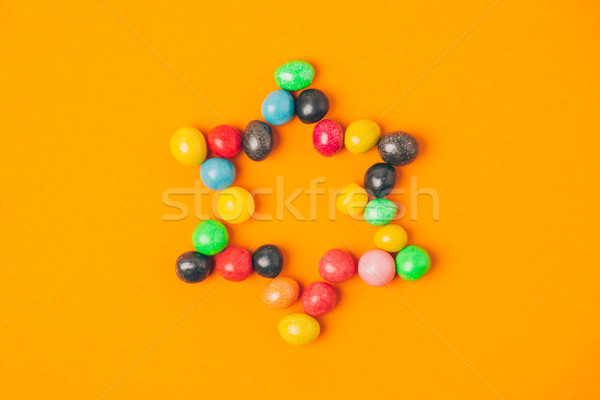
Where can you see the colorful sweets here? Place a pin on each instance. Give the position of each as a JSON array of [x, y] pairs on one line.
[[234, 264], [380, 179], [225, 141], [337, 266], [352, 200], [257, 140], [298, 329], [380, 212], [376, 268], [361, 136], [412, 263], [311, 106], [188, 146], [280, 293], [267, 261], [391, 238], [328, 137], [294, 75], [235, 205], [278, 107], [217, 173], [318, 298], [398, 148], [210, 237], [192, 267]]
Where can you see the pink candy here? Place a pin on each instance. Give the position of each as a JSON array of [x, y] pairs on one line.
[[328, 137], [376, 268]]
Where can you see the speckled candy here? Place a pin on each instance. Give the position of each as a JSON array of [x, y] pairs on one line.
[[294, 75], [192, 267], [376, 268], [235, 205], [280, 293], [328, 137], [225, 141], [361, 136], [380, 212], [188, 146], [379, 180], [298, 329], [234, 264], [352, 200], [412, 263], [318, 298], [257, 140], [391, 238], [337, 266], [278, 107], [398, 148], [311, 106], [217, 173], [210, 237], [267, 261]]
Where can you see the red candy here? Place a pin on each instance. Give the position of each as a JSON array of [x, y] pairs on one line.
[[337, 266], [234, 264], [318, 298], [328, 137], [225, 141]]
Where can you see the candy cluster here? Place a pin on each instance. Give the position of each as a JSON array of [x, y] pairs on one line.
[[235, 205]]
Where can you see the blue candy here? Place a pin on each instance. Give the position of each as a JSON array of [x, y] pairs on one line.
[[278, 107], [217, 173]]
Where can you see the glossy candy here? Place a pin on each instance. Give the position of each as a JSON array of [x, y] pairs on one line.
[[299, 329], [234, 264], [267, 261], [328, 137], [217, 173], [225, 141], [318, 298], [379, 180], [294, 75], [192, 267], [391, 238], [376, 267], [412, 263], [337, 266], [361, 136], [311, 106], [278, 107], [188, 146], [210, 237], [235, 205], [257, 140], [280, 293], [352, 200], [380, 212], [398, 148]]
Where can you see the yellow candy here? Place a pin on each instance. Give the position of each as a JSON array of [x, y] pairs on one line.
[[361, 136], [235, 205], [299, 329], [353, 200], [391, 238], [188, 146]]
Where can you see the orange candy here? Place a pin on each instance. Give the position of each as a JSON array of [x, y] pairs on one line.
[[280, 293]]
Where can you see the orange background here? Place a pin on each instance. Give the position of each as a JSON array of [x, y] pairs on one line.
[[508, 118]]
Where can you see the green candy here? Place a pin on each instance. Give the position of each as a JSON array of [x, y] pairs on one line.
[[210, 237], [412, 262], [380, 212], [294, 75]]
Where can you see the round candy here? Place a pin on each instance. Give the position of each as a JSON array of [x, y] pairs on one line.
[[361, 136], [318, 298], [193, 267], [311, 106], [225, 141], [398, 148], [376, 268], [380, 179], [267, 261], [352, 200], [257, 140], [235, 205], [234, 264], [328, 137], [380, 212], [278, 107], [280, 293], [412, 263], [337, 266], [391, 238], [294, 75], [188, 146], [298, 329], [210, 237], [217, 173]]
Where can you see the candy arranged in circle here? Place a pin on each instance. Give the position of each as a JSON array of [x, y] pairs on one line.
[[328, 137], [192, 267], [311, 106], [225, 141], [280, 293], [361, 136], [380, 179], [210, 237], [267, 261], [294, 75], [257, 140], [412, 263], [188, 146], [398, 148], [318, 298], [235, 205], [380, 212], [376, 268], [299, 329], [278, 107], [391, 238], [217, 173], [337, 266], [234, 264], [352, 200]]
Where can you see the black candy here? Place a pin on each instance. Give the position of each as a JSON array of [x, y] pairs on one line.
[[380, 179], [193, 267], [398, 148], [257, 140], [267, 261], [311, 106]]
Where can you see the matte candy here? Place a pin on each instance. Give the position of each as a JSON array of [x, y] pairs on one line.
[[352, 200], [361, 136], [235, 205], [257, 140], [311, 106], [398, 148], [280, 293], [298, 329], [380, 212], [234, 264], [278, 107], [210, 237], [412, 263], [391, 238], [328, 137], [376, 268], [337, 266], [267, 261], [318, 298], [225, 141], [294, 75], [188, 146], [217, 173], [192, 267], [379, 180]]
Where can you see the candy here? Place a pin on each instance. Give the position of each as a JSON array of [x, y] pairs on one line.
[[376, 267], [352, 200], [412, 263], [379, 180], [380, 212], [391, 238], [192, 267], [267, 261], [328, 137], [235, 205], [337, 266], [188, 146], [210, 237], [298, 329], [278, 107], [217, 173], [318, 298], [225, 141], [294, 75], [257, 140], [234, 264], [311, 106], [280, 293], [361, 136], [398, 148]]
